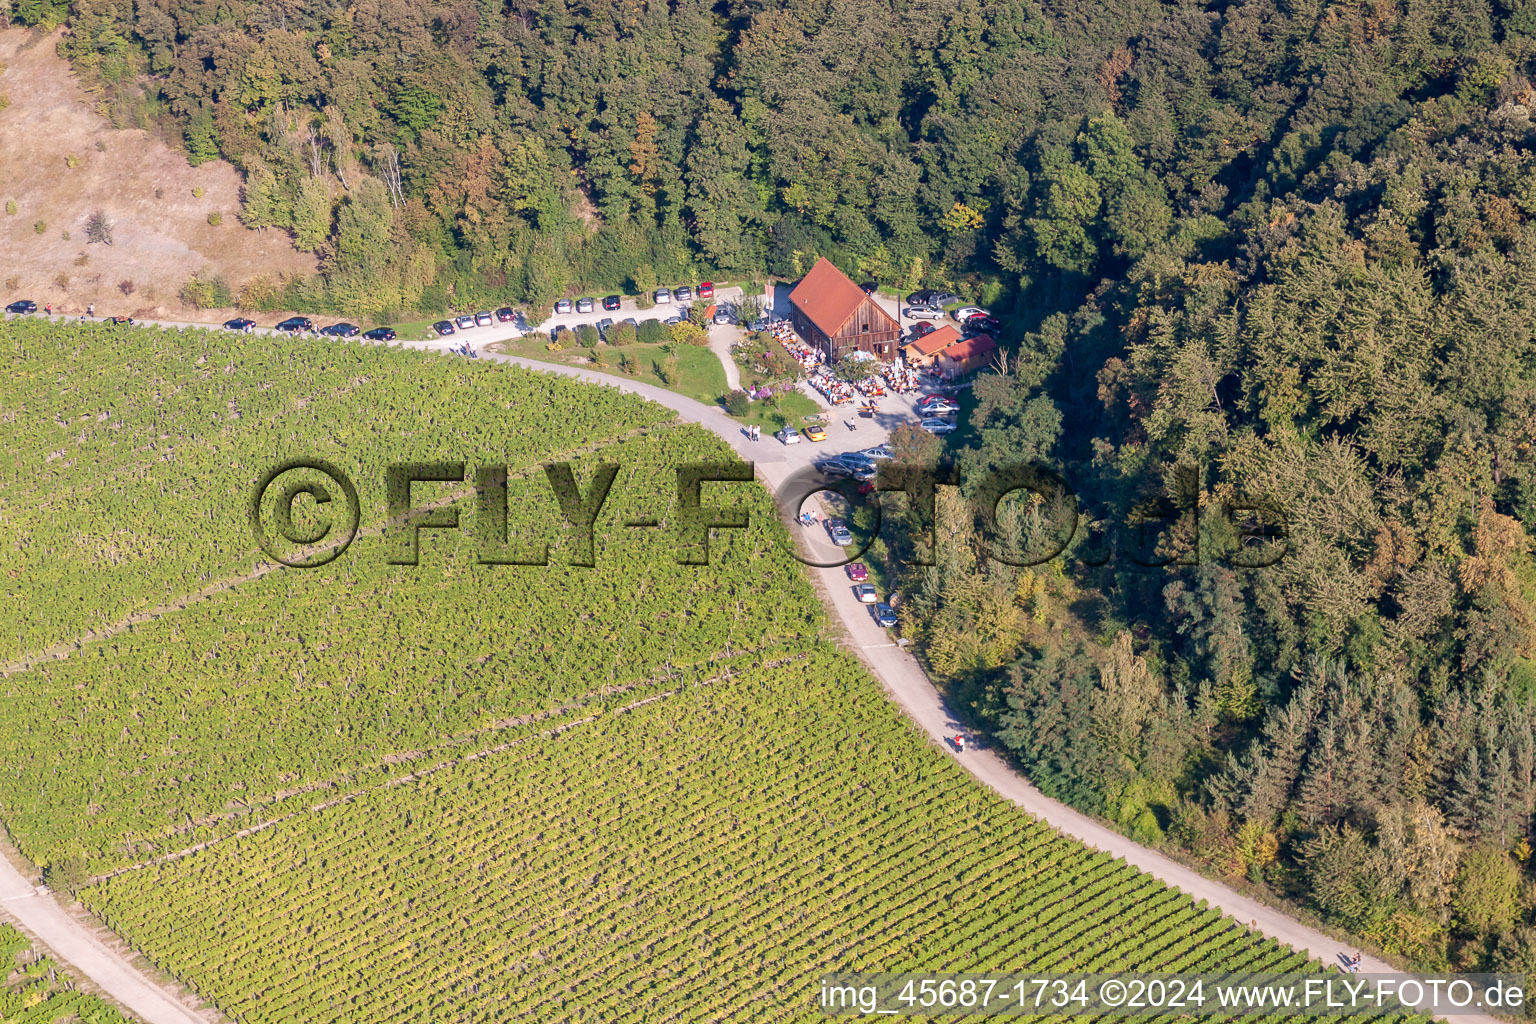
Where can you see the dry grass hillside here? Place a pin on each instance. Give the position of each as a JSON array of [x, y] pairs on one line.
[[60, 161]]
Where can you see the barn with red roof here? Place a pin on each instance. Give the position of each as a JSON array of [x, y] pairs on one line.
[[835, 315]]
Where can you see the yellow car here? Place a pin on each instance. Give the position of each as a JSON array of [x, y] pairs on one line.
[[815, 432]]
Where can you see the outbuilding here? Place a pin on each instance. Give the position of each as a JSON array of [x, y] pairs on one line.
[[838, 317], [966, 357], [925, 350]]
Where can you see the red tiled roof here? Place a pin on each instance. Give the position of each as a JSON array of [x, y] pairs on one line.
[[827, 297], [980, 345], [935, 340]]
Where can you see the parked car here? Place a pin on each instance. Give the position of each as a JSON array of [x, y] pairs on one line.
[[603, 325], [465, 322], [925, 313], [922, 330], [443, 327], [834, 469], [484, 318], [662, 296], [815, 432], [673, 320], [838, 530], [722, 319], [506, 314], [611, 302], [885, 616], [683, 294], [707, 290], [858, 572], [964, 313], [380, 334], [870, 287], [938, 426], [932, 297], [296, 325], [982, 325], [789, 435], [554, 332], [562, 306], [866, 593], [631, 321], [585, 305], [928, 402], [239, 323], [936, 410], [758, 325], [341, 330], [22, 306], [879, 452]]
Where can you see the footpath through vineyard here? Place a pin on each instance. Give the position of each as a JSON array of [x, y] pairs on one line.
[[72, 942]]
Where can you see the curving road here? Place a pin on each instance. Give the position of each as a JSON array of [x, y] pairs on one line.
[[900, 674]]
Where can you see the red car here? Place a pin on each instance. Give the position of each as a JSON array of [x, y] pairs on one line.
[[707, 290], [922, 330], [857, 572]]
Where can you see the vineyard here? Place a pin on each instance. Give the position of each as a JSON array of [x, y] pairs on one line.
[[369, 792], [32, 991]]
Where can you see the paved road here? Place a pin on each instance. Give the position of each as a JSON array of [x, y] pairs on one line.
[[900, 674], [73, 943]]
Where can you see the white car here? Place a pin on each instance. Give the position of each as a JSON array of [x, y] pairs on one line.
[[925, 313], [937, 426], [866, 593], [789, 435], [465, 322], [484, 319], [662, 296], [964, 313], [943, 407]]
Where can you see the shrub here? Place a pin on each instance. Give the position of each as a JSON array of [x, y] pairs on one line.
[[666, 369], [697, 315], [61, 280], [215, 218], [652, 332], [81, 259], [40, 226], [629, 364], [12, 283], [10, 207], [260, 294], [5, 100], [687, 333], [644, 300], [206, 294], [98, 228], [126, 287], [737, 403], [64, 235], [197, 193], [71, 161], [587, 335], [621, 334]]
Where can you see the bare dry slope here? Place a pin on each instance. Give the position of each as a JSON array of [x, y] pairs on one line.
[[161, 236]]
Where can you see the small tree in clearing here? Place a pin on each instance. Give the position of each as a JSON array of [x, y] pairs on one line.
[[98, 228]]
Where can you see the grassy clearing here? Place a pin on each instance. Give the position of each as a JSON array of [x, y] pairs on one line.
[[699, 373]]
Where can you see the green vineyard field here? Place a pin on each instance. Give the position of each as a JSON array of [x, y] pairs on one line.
[[455, 792], [32, 991]]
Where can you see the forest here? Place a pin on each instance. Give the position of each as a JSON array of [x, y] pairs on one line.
[[1248, 252]]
